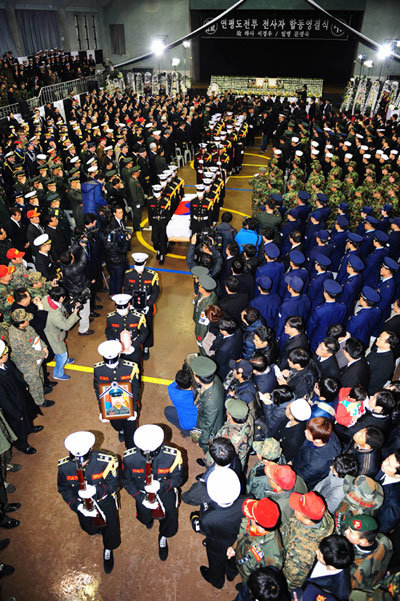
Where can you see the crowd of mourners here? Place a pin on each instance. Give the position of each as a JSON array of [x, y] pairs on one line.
[[296, 319], [22, 80]]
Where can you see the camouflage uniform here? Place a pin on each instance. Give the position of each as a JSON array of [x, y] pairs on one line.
[[362, 495], [254, 552], [4, 327], [20, 276], [368, 569], [258, 485], [37, 284], [25, 356], [258, 183], [6, 300], [301, 543], [240, 435]]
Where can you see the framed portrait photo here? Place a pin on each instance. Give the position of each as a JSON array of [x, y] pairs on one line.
[[116, 400]]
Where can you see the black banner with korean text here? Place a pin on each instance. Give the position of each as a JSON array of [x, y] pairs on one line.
[[276, 25]]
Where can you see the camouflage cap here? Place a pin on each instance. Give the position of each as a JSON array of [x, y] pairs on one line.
[[268, 448], [21, 315], [237, 409], [364, 523], [362, 492], [35, 276], [262, 169]]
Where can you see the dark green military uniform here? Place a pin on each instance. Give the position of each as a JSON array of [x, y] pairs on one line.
[[253, 552]]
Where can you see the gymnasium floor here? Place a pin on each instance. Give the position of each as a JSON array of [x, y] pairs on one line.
[[54, 559]]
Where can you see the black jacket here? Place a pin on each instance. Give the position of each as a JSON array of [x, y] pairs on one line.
[[290, 439], [381, 367], [368, 419], [17, 234], [46, 266], [312, 463], [233, 304], [225, 350], [74, 276], [389, 512], [221, 524], [369, 461], [357, 374], [328, 368], [302, 382], [299, 341]]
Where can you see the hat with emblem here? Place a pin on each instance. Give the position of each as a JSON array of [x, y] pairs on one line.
[[121, 300], [6, 270], [42, 239], [243, 365], [309, 504], [364, 523], [223, 486], [140, 258], [79, 443], [362, 493], [282, 475], [109, 350], [14, 253]]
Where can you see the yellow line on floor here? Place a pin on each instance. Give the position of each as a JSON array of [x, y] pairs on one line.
[[89, 370]]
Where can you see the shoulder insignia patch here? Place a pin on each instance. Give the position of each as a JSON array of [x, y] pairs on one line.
[[63, 460], [111, 314], [99, 364], [257, 552], [170, 450], [105, 457], [131, 451]]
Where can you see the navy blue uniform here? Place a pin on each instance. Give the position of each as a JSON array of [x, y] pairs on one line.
[[373, 264], [296, 305], [268, 307], [273, 270], [351, 292], [321, 318], [316, 289], [364, 324]]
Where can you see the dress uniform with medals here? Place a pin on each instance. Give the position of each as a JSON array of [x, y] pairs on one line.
[[114, 369], [143, 285], [200, 210], [159, 214], [100, 473], [167, 476], [124, 318]]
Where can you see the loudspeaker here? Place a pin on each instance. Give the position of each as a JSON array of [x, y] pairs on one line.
[[98, 56]]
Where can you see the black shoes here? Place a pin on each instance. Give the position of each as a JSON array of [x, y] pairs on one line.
[[204, 573], [37, 429], [28, 450], [94, 314], [4, 543], [10, 507], [9, 523], [13, 467], [161, 260], [98, 307], [6, 570], [146, 354], [108, 561], [162, 547], [121, 436], [47, 403], [150, 526], [87, 333], [195, 521], [201, 462], [47, 389]]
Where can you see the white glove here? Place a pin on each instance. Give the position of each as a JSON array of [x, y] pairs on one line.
[[153, 487], [86, 512], [133, 417], [103, 421], [145, 310], [149, 505], [88, 493]]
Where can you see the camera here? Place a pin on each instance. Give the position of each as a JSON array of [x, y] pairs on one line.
[[210, 237], [73, 299], [87, 235]]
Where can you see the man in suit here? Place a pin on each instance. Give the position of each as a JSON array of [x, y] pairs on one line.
[[325, 358], [356, 372], [16, 230], [227, 346], [393, 325], [294, 328], [378, 414], [389, 477], [234, 301], [57, 238], [381, 360]]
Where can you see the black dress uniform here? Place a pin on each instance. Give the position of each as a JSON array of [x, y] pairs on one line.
[[147, 281], [167, 469], [159, 215], [135, 323], [125, 371], [101, 472], [46, 266], [200, 213]]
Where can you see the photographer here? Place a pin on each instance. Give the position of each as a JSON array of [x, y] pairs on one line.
[[115, 239], [73, 264], [56, 328], [203, 252]]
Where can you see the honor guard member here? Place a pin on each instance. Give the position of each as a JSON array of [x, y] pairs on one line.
[[114, 369], [166, 476], [125, 321], [143, 285], [158, 217], [88, 478], [200, 210], [44, 262]]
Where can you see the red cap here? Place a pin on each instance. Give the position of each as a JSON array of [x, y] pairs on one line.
[[33, 213], [310, 504], [5, 270], [13, 253], [141, 120], [282, 475], [265, 512]]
